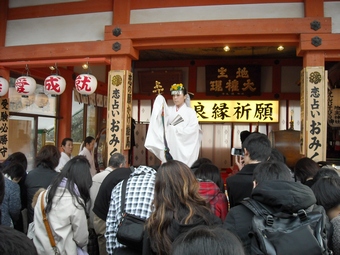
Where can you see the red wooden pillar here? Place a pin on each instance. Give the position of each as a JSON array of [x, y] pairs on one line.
[[64, 123]]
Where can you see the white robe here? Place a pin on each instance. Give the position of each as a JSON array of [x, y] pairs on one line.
[[85, 152], [184, 139], [64, 158]]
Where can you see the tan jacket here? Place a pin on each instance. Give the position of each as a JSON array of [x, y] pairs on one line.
[[68, 223]]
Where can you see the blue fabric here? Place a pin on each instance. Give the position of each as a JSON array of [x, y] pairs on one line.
[[11, 206]]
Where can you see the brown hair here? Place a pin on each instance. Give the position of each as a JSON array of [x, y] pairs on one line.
[[176, 197], [48, 156]]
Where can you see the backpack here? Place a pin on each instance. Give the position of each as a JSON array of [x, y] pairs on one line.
[[279, 233]]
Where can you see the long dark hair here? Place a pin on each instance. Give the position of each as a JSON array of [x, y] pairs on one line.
[[77, 173], [176, 197]]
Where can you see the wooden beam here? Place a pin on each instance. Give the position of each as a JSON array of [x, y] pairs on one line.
[[313, 59], [229, 61], [66, 50], [180, 3], [314, 8], [51, 10], [121, 10], [3, 21], [328, 42], [218, 41], [211, 28], [332, 55], [60, 62]]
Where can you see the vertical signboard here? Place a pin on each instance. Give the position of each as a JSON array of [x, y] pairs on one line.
[[128, 110], [119, 107], [4, 127], [315, 117], [302, 113]]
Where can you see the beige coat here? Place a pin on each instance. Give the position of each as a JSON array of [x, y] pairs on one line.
[[68, 224]]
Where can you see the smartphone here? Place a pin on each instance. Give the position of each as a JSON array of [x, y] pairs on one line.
[[237, 152]]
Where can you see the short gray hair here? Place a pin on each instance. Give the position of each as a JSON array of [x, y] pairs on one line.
[[116, 160]]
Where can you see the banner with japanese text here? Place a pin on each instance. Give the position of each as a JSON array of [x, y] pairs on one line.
[[233, 80], [314, 122], [4, 128], [264, 111], [119, 105]]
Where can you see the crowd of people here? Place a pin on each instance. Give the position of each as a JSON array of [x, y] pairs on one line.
[[186, 207]]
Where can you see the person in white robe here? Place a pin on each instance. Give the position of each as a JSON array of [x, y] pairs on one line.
[[66, 154], [181, 128], [87, 151]]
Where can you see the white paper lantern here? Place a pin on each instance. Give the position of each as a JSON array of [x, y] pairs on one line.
[[54, 85], [25, 85], [3, 86], [41, 100], [86, 84], [27, 100], [14, 96]]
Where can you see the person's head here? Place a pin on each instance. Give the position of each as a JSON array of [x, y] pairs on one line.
[[15, 242], [277, 156], [202, 240], [117, 160], [243, 135], [305, 169], [271, 170], [16, 157], [67, 145], [15, 171], [175, 184], [89, 142], [199, 162], [327, 193], [48, 156], [209, 171], [324, 172], [179, 94], [176, 197], [76, 174], [257, 148]]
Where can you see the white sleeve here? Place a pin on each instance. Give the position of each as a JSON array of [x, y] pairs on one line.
[[154, 140]]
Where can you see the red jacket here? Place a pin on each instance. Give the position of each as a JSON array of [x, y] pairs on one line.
[[216, 198]]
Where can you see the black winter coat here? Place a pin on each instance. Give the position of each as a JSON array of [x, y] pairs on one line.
[[281, 196], [240, 185], [39, 177]]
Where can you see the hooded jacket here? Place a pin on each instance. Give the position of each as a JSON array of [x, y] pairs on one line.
[[280, 196]]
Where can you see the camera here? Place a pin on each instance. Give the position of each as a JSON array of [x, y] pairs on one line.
[[237, 152]]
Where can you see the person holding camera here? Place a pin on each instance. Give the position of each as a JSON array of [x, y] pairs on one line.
[[256, 148]]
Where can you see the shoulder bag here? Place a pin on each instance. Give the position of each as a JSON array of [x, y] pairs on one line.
[[48, 228], [131, 228]]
